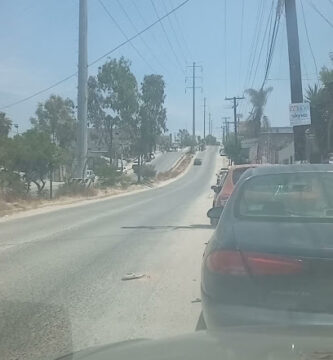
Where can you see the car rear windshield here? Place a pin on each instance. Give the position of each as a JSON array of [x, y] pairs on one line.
[[295, 195], [237, 173]]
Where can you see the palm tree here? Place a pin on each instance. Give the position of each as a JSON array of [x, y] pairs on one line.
[[258, 99]]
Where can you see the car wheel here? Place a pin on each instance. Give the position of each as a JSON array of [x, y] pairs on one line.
[[201, 324], [214, 222]]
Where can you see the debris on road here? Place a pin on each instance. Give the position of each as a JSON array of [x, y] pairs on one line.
[[197, 300], [132, 276]]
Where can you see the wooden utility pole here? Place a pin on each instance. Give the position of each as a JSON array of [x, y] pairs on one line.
[[204, 118], [226, 127], [82, 102], [234, 99], [295, 75]]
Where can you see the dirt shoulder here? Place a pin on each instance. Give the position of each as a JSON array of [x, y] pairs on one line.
[[30, 207]]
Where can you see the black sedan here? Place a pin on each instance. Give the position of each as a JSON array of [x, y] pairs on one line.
[[197, 161], [270, 260]]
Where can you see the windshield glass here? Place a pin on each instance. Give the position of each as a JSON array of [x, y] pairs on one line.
[[125, 126], [288, 195]]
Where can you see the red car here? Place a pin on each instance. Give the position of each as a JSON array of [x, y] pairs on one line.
[[234, 173]]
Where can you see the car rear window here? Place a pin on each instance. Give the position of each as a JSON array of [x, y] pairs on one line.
[[237, 173], [295, 195]]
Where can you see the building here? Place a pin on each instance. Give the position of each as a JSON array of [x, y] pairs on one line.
[[275, 145]]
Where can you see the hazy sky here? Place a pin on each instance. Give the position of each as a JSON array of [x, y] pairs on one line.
[[39, 42]]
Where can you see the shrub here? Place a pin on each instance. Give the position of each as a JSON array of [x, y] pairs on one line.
[[74, 189], [125, 181], [147, 171], [12, 187], [107, 175]]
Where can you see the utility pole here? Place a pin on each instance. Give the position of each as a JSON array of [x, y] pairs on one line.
[[193, 111], [193, 87], [234, 99], [295, 74], [204, 118], [226, 127], [210, 123], [82, 91]]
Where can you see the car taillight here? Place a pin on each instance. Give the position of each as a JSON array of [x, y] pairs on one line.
[[248, 263], [226, 263]]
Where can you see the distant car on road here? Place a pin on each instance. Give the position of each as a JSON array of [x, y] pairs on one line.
[[197, 161], [222, 152], [270, 260]]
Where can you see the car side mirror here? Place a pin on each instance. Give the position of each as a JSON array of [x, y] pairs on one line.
[[216, 188], [215, 212]]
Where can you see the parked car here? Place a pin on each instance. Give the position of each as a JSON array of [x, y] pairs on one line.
[[270, 260], [223, 193], [197, 161], [221, 176]]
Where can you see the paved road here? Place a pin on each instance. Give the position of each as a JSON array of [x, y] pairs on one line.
[[165, 161], [60, 272]]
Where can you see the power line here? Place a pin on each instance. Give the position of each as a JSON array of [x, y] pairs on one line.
[[39, 92], [181, 32], [269, 21], [255, 36], [241, 42], [320, 13], [225, 48], [137, 8], [167, 37], [273, 40], [143, 40], [308, 39], [99, 58], [255, 41], [124, 34], [175, 34]]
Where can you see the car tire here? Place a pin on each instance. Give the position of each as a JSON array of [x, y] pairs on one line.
[[201, 324], [214, 222]]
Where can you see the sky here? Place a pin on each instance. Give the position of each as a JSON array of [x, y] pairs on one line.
[[39, 41]]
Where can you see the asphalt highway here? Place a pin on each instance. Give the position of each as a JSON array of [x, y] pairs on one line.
[[61, 287]]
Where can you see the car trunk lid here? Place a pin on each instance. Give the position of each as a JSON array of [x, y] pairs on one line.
[[289, 264]]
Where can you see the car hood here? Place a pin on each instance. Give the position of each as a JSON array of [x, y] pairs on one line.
[[250, 343]]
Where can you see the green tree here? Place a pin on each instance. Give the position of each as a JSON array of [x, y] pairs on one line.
[[258, 99], [152, 114], [185, 139], [233, 149], [55, 117], [321, 103], [164, 141], [113, 102], [5, 125], [33, 154]]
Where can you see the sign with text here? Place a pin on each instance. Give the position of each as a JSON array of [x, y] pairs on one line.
[[299, 114]]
